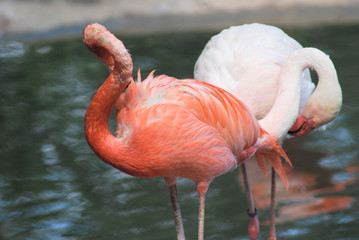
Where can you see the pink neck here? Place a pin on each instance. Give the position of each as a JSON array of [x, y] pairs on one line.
[[97, 133]]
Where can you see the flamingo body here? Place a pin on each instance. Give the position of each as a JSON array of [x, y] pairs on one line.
[[178, 128], [185, 128], [246, 61]]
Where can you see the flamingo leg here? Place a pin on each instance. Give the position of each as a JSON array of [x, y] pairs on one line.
[[272, 235], [253, 227], [177, 212], [202, 198], [202, 189]]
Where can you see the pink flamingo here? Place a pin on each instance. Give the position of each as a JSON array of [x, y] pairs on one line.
[[169, 127], [265, 68]]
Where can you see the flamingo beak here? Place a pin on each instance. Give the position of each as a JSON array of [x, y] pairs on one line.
[[302, 126]]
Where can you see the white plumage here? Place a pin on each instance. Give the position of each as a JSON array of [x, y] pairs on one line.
[[246, 61]]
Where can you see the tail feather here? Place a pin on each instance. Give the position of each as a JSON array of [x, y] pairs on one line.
[[270, 150], [262, 162]]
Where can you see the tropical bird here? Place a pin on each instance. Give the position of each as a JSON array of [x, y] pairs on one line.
[[169, 127], [260, 65]]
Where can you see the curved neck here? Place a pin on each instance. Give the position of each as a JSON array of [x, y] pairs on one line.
[[325, 102], [286, 106], [112, 53], [97, 133]]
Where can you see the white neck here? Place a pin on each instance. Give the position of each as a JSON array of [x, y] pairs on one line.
[[286, 106], [326, 101]]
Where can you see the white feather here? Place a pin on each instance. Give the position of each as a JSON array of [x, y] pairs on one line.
[[246, 61]]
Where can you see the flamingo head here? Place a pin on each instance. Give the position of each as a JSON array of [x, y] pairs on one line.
[[302, 126], [94, 36], [316, 113]]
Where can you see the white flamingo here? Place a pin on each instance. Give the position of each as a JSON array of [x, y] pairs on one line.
[[267, 70]]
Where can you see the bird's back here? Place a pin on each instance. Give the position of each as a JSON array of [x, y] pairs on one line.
[[246, 60], [184, 122]]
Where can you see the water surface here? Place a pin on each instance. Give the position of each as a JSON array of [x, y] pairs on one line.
[[53, 187]]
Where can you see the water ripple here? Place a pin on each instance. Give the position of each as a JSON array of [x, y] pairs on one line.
[[11, 49]]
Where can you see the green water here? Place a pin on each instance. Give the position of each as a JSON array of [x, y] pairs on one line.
[[53, 187]]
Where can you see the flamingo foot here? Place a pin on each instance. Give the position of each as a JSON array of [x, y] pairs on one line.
[[253, 227]]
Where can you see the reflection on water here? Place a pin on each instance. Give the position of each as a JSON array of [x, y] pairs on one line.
[[307, 196], [53, 187]]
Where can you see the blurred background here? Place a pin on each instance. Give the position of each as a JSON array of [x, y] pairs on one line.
[[52, 186], [45, 18]]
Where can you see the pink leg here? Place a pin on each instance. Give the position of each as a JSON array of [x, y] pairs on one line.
[[177, 212], [201, 216], [202, 189], [272, 235], [253, 227], [171, 182]]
